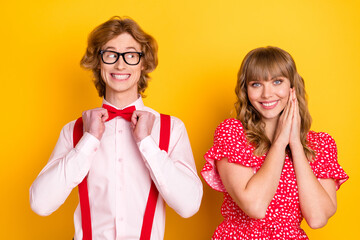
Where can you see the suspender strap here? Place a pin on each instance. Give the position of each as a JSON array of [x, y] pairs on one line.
[[83, 188], [153, 194], [165, 123]]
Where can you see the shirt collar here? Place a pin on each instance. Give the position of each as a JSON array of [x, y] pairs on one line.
[[139, 104]]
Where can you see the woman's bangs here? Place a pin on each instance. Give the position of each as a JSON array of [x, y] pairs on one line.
[[265, 67]]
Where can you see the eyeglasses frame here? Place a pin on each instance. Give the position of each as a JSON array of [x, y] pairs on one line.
[[101, 52]]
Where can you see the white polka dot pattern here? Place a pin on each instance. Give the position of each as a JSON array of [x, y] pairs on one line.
[[283, 216]]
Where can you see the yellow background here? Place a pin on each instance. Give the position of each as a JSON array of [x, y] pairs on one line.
[[202, 44]]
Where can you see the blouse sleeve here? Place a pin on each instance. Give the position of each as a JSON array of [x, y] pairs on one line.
[[326, 164], [229, 142]]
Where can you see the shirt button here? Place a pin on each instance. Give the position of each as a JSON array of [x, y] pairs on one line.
[[121, 219], [120, 159], [119, 131]]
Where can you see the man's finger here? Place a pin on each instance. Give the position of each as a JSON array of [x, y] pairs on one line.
[[134, 117], [104, 114]]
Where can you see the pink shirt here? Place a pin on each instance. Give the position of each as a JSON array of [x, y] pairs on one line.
[[119, 177]]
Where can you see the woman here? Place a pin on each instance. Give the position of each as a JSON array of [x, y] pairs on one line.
[[272, 169]]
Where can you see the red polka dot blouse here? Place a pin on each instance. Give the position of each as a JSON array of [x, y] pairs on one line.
[[283, 216]]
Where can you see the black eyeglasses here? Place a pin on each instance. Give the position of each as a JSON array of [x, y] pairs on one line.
[[111, 57]]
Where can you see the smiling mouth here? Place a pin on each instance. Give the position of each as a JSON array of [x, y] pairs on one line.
[[120, 76], [269, 105]]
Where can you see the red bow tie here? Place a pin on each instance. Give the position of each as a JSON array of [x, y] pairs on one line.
[[126, 113]]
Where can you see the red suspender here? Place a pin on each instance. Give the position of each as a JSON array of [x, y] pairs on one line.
[[165, 122], [153, 194], [83, 189]]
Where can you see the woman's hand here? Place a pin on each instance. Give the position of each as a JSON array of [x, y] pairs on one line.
[[296, 123], [94, 121], [285, 122], [141, 124]]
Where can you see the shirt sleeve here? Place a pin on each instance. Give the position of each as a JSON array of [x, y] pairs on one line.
[[229, 142], [65, 169], [326, 164], [174, 173]]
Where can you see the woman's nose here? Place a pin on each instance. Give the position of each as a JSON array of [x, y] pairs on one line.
[[267, 91]]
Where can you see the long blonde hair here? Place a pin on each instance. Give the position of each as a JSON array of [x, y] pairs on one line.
[[259, 64]]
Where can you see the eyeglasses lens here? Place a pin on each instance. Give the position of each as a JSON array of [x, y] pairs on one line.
[[131, 58]]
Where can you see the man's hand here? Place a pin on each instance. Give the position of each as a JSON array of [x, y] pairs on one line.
[[94, 120], [141, 124]]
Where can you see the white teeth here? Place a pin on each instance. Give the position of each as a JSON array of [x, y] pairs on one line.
[[269, 104], [120, 76]]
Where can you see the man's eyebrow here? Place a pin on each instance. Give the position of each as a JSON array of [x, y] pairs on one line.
[[110, 48], [127, 48]]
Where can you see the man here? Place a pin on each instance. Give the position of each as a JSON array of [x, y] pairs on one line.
[[119, 156]]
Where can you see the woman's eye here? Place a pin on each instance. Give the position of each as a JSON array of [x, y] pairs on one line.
[[277, 82], [255, 84]]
